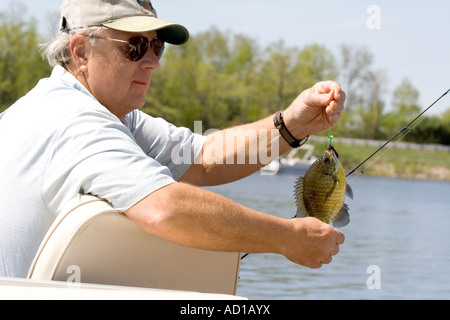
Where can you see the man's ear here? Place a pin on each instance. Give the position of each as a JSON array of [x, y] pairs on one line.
[[79, 52]]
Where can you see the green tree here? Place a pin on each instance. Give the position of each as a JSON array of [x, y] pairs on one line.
[[21, 64], [275, 87], [354, 72], [405, 100], [314, 63], [224, 79], [431, 129], [368, 115], [172, 91], [285, 72], [405, 108], [209, 79], [362, 87]]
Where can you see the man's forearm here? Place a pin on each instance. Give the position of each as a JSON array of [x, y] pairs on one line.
[[197, 218], [234, 153]]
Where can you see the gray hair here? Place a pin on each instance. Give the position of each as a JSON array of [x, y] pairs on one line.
[[57, 51]]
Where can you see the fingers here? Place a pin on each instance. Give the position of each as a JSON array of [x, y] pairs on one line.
[[334, 248], [318, 96], [320, 244], [326, 87], [335, 239], [335, 106], [340, 238], [340, 96], [331, 97]]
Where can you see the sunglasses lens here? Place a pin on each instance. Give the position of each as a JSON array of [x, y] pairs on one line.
[[158, 47], [137, 47]]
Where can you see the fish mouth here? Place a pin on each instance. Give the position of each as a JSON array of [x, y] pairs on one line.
[[331, 148], [336, 164], [332, 156]]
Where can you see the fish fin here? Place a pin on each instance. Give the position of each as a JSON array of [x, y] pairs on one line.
[[342, 218], [349, 191], [298, 194]]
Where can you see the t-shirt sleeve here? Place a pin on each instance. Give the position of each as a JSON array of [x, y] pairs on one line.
[[173, 147], [97, 154]]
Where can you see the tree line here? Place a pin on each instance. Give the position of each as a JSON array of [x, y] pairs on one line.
[[225, 79]]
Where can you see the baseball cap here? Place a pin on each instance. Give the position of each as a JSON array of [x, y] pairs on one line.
[[122, 15]]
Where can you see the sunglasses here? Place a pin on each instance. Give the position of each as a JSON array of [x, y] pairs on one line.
[[137, 47]]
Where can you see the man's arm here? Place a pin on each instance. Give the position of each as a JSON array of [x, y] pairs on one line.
[[197, 218], [194, 217], [231, 154], [234, 153]]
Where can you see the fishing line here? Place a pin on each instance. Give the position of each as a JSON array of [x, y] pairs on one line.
[[417, 60], [406, 128]]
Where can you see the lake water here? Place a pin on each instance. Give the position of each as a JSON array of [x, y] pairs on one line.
[[397, 244]]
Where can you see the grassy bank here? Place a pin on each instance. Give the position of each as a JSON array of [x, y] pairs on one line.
[[434, 165]]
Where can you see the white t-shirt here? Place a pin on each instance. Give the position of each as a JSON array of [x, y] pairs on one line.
[[59, 141]]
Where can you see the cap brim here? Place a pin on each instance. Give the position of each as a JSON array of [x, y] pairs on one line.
[[167, 31]]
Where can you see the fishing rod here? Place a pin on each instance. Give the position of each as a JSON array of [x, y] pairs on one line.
[[407, 127]]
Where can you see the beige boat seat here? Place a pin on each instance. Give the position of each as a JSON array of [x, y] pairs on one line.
[[94, 243]]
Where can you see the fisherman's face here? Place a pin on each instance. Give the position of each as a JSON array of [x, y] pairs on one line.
[[118, 83]]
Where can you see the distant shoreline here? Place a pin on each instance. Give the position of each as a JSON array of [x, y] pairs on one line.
[[427, 173], [424, 162]]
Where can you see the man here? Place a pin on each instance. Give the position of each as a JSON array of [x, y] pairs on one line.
[[80, 131]]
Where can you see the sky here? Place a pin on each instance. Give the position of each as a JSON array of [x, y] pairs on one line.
[[409, 39]]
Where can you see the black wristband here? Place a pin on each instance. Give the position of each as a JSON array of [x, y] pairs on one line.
[[281, 126]]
